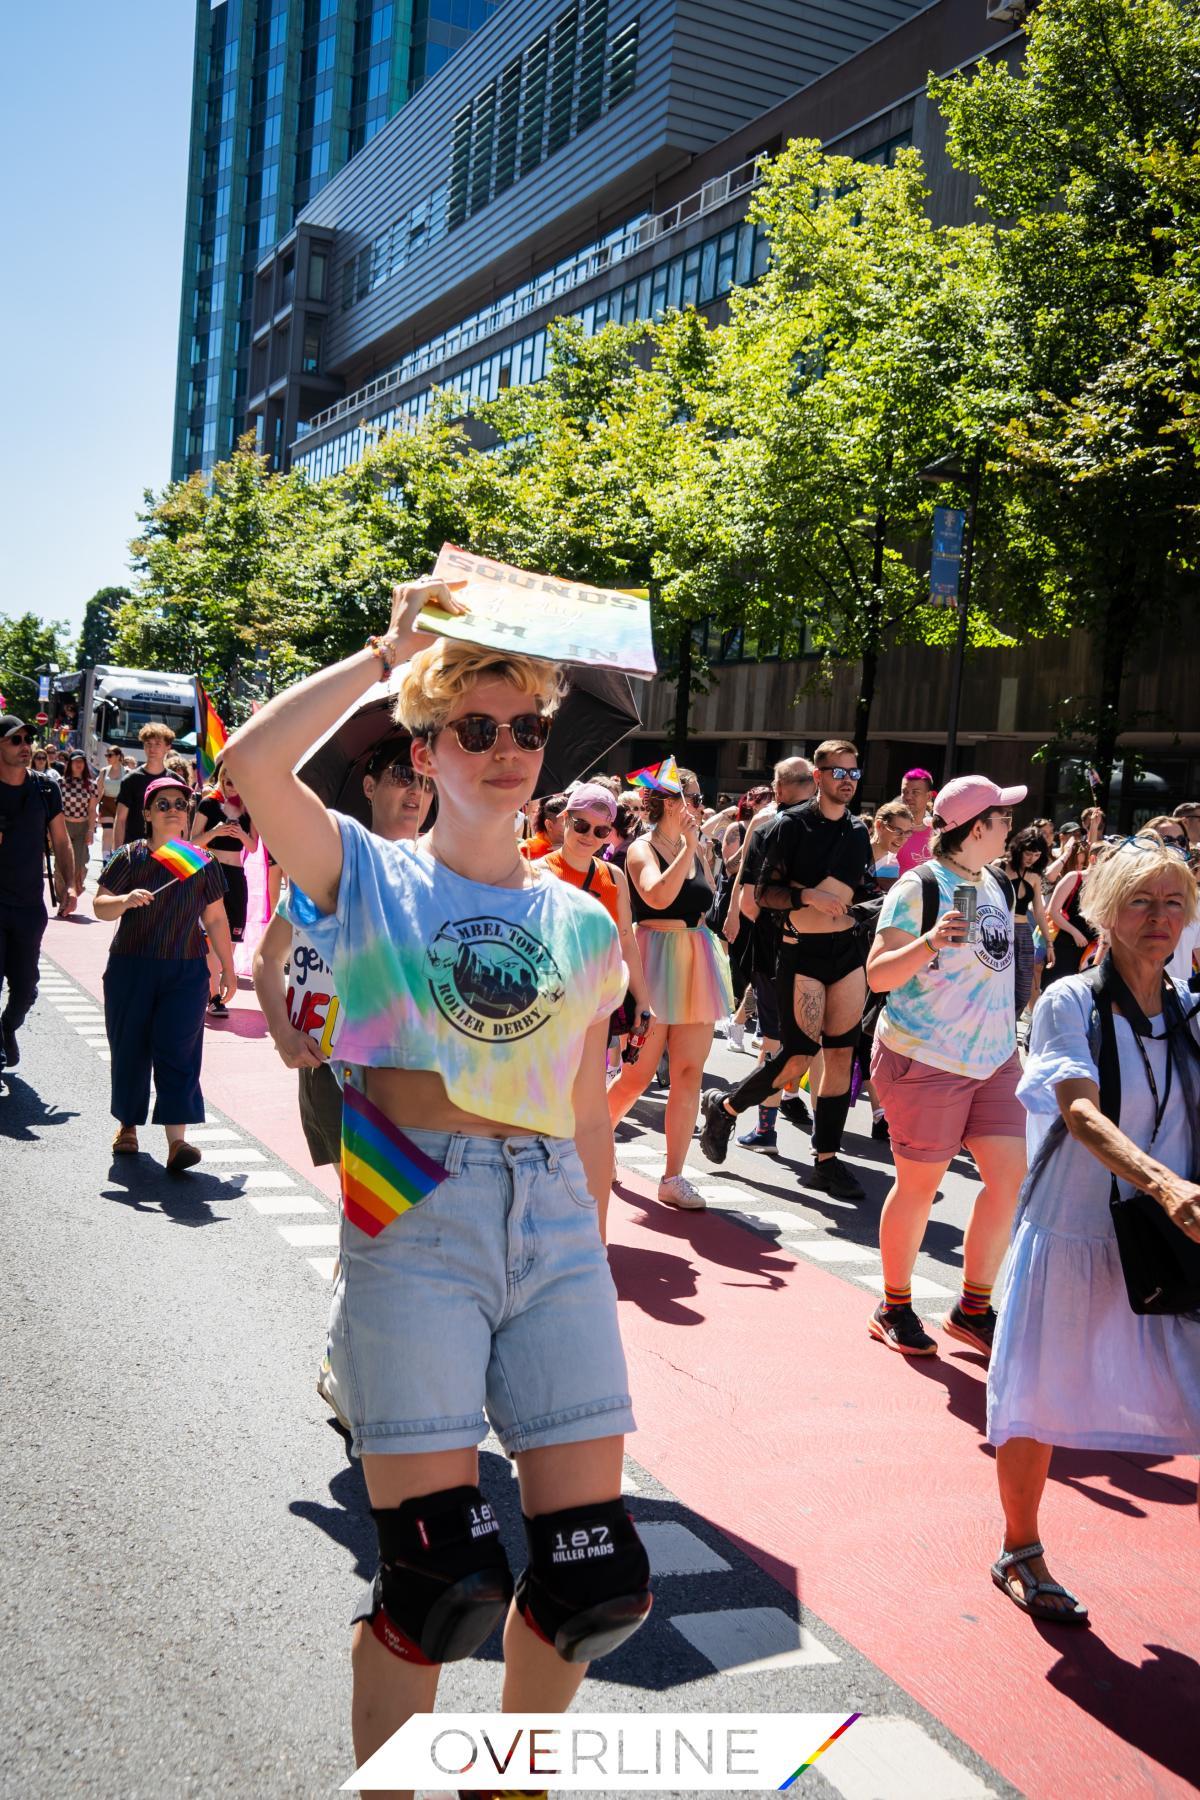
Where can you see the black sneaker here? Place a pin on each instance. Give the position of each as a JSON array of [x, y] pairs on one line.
[[793, 1109], [217, 1008], [900, 1329], [718, 1124], [880, 1129], [976, 1329], [12, 1050], [832, 1177]]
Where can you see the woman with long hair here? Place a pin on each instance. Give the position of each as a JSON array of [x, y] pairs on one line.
[[476, 995], [687, 974], [1023, 863], [1072, 938], [224, 828]]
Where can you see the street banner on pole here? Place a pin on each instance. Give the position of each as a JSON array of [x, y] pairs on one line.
[[563, 621], [945, 569]]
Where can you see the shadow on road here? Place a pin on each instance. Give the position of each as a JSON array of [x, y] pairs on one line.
[[23, 1112], [143, 1185], [1151, 1705]]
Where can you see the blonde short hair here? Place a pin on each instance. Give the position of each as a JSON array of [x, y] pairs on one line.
[[156, 729], [437, 678], [1112, 882]]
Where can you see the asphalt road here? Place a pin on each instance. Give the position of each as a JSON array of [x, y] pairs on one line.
[[184, 1536]]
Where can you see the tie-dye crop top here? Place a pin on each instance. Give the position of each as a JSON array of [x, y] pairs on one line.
[[492, 988]]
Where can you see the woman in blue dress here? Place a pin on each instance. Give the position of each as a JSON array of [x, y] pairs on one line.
[[1072, 1363]]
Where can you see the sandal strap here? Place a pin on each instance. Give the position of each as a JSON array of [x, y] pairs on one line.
[[1007, 1558], [1051, 1587]]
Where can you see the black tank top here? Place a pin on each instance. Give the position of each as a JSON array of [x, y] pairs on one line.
[[690, 904]]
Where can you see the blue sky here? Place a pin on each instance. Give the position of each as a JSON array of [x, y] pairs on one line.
[[94, 105]]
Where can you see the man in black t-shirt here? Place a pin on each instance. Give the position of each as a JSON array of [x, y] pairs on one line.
[[30, 806], [809, 865], [129, 821]]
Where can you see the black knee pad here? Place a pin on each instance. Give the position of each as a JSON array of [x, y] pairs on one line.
[[841, 1040], [798, 1043], [443, 1580], [587, 1584]]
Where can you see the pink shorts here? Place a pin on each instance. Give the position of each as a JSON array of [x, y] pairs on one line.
[[931, 1113]]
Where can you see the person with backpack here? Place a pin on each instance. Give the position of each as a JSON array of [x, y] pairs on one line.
[[945, 1063], [31, 809]]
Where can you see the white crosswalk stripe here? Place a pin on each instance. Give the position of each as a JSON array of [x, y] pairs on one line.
[[674, 1550], [234, 1153], [837, 1250], [899, 1759], [324, 1265], [922, 1287], [284, 1203], [302, 1236], [749, 1640]]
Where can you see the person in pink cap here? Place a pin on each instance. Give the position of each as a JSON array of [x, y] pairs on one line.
[[916, 791], [945, 1062]]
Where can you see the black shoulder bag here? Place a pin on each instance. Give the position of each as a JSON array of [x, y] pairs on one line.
[[1161, 1264]]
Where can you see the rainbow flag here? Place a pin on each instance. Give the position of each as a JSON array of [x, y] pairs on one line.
[[660, 778], [210, 734], [183, 859], [383, 1172], [831, 1739]]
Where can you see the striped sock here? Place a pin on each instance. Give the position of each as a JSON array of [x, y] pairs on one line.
[[897, 1296], [975, 1299]]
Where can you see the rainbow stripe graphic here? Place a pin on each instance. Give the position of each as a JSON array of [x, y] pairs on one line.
[[383, 1172], [660, 778], [832, 1739], [183, 859], [210, 734]]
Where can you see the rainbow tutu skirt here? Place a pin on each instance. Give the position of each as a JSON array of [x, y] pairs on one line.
[[687, 973]]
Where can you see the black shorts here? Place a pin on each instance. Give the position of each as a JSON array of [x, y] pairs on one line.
[[766, 999], [826, 956]]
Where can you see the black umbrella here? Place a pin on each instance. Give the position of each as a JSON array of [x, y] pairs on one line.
[[597, 713]]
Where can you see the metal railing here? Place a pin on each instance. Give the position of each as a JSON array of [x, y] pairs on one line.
[[538, 293]]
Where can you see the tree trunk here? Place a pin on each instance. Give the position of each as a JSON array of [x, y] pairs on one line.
[[1108, 722], [683, 691]]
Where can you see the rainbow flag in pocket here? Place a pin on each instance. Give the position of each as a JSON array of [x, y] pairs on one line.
[[383, 1171]]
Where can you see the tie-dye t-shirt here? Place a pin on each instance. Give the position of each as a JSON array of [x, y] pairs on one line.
[[491, 988], [958, 1014]]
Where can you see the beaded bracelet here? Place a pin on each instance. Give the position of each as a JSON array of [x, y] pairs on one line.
[[386, 654]]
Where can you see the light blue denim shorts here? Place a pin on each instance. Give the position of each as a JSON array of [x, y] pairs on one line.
[[494, 1291]]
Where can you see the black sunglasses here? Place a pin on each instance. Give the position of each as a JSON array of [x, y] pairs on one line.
[[180, 805], [19, 737], [839, 774], [478, 732], [586, 830]]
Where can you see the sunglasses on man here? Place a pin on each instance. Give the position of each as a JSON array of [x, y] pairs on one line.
[[401, 774], [477, 732], [838, 773], [18, 737]]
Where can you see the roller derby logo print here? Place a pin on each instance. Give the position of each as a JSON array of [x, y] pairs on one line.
[[994, 946], [493, 980]]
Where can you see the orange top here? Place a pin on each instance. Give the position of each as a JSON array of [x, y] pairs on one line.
[[602, 886], [535, 847]]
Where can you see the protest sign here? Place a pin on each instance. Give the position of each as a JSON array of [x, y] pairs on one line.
[[563, 621]]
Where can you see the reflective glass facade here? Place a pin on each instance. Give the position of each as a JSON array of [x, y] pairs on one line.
[[284, 93]]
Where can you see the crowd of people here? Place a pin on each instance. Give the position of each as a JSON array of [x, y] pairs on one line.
[[475, 990]]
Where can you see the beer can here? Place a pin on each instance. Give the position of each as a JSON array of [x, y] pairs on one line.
[[966, 901]]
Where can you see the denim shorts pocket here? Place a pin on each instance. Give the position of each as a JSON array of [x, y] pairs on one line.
[[571, 1173]]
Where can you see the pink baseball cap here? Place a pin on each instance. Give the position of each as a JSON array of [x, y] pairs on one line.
[[590, 794], [164, 781], [964, 798]]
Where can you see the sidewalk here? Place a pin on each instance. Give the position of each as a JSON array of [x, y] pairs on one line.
[[859, 1479]]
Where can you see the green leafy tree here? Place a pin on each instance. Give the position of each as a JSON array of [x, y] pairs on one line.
[[1099, 272], [96, 636], [26, 642]]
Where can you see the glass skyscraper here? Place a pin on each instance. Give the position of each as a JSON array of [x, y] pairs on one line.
[[284, 92]]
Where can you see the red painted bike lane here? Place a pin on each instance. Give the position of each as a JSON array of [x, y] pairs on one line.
[[860, 1480]]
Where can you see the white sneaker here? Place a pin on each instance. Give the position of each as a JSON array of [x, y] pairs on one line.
[[737, 1035], [677, 1190]]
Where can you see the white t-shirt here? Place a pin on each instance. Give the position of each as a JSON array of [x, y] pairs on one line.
[[312, 1002], [959, 1013]]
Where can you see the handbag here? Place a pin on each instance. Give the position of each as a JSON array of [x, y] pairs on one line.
[[1160, 1263]]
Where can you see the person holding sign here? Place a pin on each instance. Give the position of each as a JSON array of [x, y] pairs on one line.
[[161, 889], [476, 994], [300, 1003]]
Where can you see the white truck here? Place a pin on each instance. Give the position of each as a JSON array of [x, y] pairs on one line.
[[113, 704]]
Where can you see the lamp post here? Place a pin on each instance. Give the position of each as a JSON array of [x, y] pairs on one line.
[[946, 469]]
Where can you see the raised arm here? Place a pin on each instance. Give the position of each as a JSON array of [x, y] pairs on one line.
[[263, 753], [659, 887]]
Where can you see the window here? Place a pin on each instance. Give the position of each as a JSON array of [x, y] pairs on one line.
[[562, 79], [381, 24], [506, 130], [537, 62], [483, 126], [377, 81], [318, 263], [591, 61], [310, 359], [622, 63], [323, 106], [460, 162]]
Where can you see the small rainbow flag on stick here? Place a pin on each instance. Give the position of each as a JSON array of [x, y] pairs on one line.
[[210, 734], [660, 778], [383, 1171], [183, 859]]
